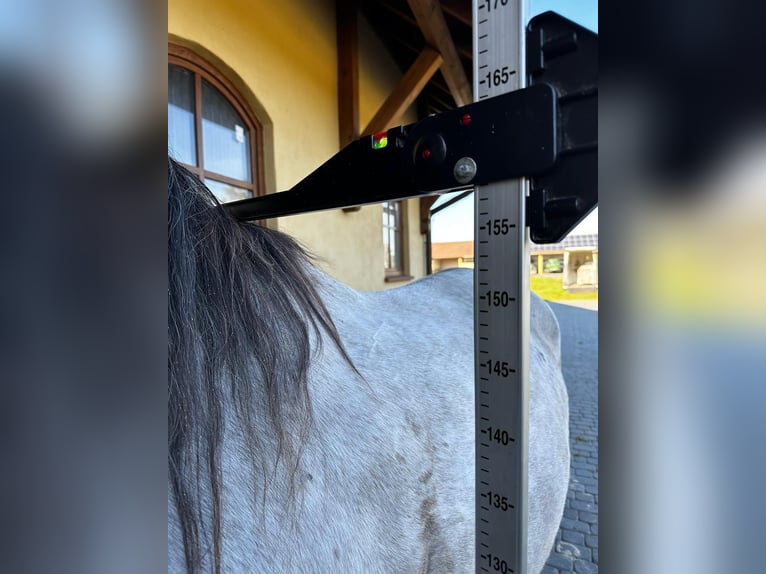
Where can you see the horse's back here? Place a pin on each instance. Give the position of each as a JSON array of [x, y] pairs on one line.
[[444, 303], [420, 344], [414, 346]]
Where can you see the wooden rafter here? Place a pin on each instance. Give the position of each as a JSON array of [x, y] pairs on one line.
[[425, 212], [465, 52], [408, 89], [430, 19], [459, 9], [402, 15], [348, 71]]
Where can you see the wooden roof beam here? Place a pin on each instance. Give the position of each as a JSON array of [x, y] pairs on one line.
[[430, 18], [346, 18], [425, 212], [465, 52], [399, 14], [458, 9], [406, 91]]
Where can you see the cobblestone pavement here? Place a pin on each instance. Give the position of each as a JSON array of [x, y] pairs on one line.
[[576, 546], [591, 304]]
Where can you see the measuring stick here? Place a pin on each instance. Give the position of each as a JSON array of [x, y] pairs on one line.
[[501, 312]]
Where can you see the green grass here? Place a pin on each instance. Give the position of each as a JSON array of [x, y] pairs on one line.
[[550, 288]]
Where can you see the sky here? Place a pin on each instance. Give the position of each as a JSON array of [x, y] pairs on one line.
[[455, 223]]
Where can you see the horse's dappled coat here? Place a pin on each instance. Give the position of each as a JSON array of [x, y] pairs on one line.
[[330, 465]]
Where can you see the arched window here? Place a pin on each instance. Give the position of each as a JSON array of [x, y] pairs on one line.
[[211, 129]]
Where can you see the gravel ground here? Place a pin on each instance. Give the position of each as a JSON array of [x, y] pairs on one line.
[[576, 546]]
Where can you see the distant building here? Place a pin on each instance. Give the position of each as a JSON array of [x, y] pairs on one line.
[[575, 257], [451, 254]]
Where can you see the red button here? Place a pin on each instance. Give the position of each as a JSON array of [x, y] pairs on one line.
[[466, 119]]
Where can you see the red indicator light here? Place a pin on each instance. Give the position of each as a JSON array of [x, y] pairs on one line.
[[426, 153], [466, 119]]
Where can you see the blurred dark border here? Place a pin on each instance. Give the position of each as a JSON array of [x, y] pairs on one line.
[[681, 85], [83, 351]]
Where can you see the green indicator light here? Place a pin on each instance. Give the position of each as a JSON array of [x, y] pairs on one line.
[[380, 140]]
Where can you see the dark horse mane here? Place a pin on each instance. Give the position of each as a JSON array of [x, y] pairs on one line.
[[242, 306]]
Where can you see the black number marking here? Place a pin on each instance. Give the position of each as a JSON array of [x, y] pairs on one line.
[[499, 226], [499, 436], [494, 4], [498, 501], [498, 298], [499, 368], [499, 76], [498, 564]]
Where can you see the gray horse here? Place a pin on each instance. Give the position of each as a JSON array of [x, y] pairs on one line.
[[313, 428]]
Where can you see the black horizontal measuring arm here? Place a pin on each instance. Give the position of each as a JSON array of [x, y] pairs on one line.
[[501, 138], [547, 132]]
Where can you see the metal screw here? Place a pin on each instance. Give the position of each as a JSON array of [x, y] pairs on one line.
[[465, 170]]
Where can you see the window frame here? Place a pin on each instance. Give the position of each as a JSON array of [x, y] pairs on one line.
[[399, 273], [187, 59]]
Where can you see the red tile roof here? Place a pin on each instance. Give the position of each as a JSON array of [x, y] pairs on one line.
[[452, 250]]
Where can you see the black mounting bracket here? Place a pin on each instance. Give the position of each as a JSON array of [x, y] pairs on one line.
[[563, 55], [547, 132]]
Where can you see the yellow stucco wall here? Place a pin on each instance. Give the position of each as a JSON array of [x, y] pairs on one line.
[[282, 57], [416, 247]]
